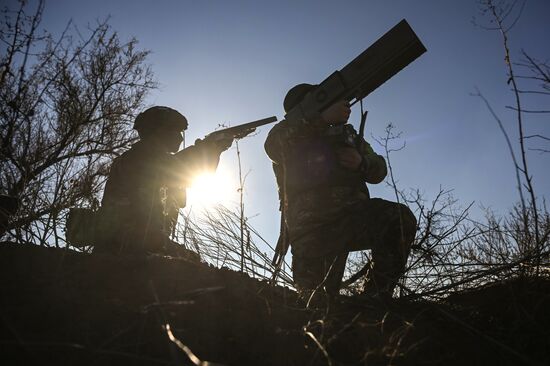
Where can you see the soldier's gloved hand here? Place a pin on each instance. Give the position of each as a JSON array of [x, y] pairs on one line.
[[220, 145], [338, 113], [349, 158], [223, 144]]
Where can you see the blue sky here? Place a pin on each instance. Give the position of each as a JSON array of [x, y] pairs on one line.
[[233, 61]]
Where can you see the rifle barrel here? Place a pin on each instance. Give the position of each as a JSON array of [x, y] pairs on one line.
[[250, 125], [245, 126]]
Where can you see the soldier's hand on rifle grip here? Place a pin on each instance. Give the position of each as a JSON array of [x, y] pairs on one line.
[[244, 133], [338, 113], [217, 144], [349, 158], [224, 144]]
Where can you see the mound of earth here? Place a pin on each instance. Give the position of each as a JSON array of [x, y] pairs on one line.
[[60, 307]]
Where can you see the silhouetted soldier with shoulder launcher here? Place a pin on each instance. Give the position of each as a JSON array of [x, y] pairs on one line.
[[322, 166], [329, 212]]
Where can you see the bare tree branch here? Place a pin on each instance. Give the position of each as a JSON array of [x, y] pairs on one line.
[[66, 107]]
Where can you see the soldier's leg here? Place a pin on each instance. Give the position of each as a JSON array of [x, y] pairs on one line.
[[389, 257], [388, 229], [322, 274], [175, 249]]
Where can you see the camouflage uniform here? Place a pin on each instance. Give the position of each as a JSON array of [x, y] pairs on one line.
[[143, 194], [328, 209]]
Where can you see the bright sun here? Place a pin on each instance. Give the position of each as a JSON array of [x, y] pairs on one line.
[[209, 189]]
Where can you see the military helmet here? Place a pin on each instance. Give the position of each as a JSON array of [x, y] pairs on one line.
[[159, 117], [295, 95]]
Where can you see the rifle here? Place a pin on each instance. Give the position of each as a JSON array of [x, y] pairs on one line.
[[239, 131], [373, 67]]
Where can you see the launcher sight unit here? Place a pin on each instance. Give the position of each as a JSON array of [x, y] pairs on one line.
[[383, 59]]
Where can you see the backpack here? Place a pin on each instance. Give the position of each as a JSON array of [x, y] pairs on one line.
[[81, 226]]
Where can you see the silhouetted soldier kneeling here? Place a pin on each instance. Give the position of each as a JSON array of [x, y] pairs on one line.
[[322, 166], [146, 186]]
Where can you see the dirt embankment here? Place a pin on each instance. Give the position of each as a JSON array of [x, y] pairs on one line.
[[59, 307]]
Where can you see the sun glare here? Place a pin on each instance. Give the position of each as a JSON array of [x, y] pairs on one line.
[[209, 189]]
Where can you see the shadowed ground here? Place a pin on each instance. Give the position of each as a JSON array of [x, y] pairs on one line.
[[61, 307]]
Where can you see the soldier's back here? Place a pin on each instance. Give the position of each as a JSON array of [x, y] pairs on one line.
[[131, 208]]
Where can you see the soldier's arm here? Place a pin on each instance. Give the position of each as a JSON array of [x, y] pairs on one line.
[[278, 138], [199, 156], [274, 143], [196, 159], [280, 134], [373, 166]]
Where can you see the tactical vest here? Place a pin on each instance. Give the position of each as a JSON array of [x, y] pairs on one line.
[[311, 161]]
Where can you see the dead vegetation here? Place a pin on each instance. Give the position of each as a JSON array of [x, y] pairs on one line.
[[475, 291], [94, 309]]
